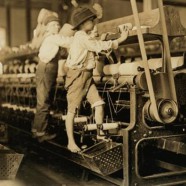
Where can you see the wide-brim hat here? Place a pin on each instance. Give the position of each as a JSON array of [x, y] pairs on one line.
[[80, 15]]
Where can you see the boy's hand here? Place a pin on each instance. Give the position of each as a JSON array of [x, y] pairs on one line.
[[124, 35], [124, 29], [103, 36]]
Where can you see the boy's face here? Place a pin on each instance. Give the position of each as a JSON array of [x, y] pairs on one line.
[[88, 25], [53, 27]]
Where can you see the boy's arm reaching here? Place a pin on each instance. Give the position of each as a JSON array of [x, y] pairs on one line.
[[50, 46], [61, 41], [98, 45]]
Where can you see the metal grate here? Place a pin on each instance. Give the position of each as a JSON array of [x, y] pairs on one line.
[[9, 163], [104, 158]]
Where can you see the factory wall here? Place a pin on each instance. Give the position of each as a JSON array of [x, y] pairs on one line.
[[18, 17], [2, 17], [2, 27], [118, 9], [18, 26]]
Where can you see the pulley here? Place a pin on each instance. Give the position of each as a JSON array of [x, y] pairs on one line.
[[167, 110]]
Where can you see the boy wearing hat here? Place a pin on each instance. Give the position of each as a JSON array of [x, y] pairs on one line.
[[46, 74], [81, 62]]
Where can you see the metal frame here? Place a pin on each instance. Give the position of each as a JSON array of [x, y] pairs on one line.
[[133, 136]]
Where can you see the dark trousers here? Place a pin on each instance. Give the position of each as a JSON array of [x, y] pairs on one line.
[[46, 75]]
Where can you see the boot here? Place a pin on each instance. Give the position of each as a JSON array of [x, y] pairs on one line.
[[46, 137]]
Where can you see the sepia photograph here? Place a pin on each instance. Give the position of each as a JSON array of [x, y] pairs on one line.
[[92, 93]]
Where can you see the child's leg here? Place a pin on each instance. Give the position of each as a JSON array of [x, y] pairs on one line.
[[70, 133], [96, 102], [75, 83], [44, 84], [99, 114]]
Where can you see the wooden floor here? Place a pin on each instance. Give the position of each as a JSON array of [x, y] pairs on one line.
[[39, 171]]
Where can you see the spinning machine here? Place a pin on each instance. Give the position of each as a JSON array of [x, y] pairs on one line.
[[145, 110]]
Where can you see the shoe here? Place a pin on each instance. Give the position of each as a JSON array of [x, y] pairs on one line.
[[46, 137], [36, 134]]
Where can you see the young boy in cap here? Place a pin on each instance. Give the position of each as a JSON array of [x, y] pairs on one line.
[[81, 62], [46, 74]]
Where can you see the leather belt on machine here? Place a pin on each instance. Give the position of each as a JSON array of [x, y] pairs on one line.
[[145, 61], [168, 67], [170, 109]]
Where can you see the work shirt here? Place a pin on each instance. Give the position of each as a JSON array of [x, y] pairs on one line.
[[50, 46], [81, 50]]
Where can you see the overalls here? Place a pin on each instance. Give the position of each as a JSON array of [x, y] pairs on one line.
[[46, 75]]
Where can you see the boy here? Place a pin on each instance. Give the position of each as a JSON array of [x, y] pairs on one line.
[[81, 62], [46, 74]]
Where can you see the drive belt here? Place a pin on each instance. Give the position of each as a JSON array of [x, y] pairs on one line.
[[145, 61], [167, 61]]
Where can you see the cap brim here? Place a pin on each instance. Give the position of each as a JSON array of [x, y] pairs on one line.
[[83, 20]]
